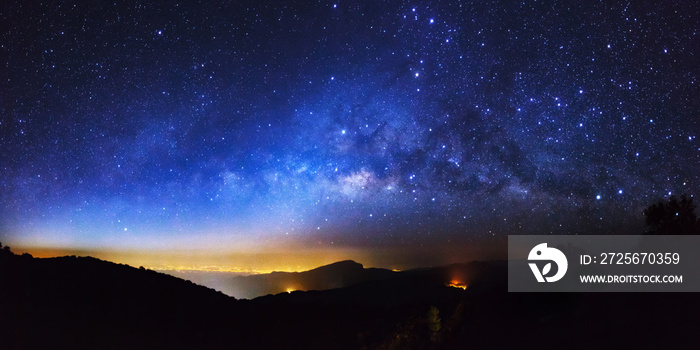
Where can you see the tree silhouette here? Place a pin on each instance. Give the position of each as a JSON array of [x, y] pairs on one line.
[[434, 319], [5, 251], [675, 217], [434, 323]]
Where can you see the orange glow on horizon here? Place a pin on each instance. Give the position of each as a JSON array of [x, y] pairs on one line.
[[267, 257], [246, 262]]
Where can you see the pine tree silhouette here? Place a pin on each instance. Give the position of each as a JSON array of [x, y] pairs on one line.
[[675, 217]]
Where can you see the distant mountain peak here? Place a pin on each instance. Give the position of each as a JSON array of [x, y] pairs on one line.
[[336, 275], [341, 264], [345, 262]]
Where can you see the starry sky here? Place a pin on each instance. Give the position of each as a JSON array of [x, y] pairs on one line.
[[246, 126]]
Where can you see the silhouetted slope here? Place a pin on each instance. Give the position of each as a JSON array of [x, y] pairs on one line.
[[361, 316], [392, 314], [85, 303], [88, 303], [477, 275], [336, 275]]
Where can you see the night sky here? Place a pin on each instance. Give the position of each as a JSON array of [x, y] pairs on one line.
[[253, 125]]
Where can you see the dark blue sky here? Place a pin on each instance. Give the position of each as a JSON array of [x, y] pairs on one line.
[[354, 124]]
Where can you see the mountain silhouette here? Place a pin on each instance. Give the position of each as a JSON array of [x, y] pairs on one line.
[[86, 303], [83, 302], [337, 275]]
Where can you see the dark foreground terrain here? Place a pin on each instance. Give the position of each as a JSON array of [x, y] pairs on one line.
[[86, 303]]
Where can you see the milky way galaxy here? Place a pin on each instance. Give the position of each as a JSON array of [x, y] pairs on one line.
[[247, 124]]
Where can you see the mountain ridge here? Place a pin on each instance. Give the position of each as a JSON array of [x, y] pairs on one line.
[[335, 275], [87, 303]]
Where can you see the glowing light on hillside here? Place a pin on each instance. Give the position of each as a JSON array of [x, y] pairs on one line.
[[457, 284]]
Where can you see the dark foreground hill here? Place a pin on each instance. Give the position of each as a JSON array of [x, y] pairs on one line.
[[72, 302], [85, 303]]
